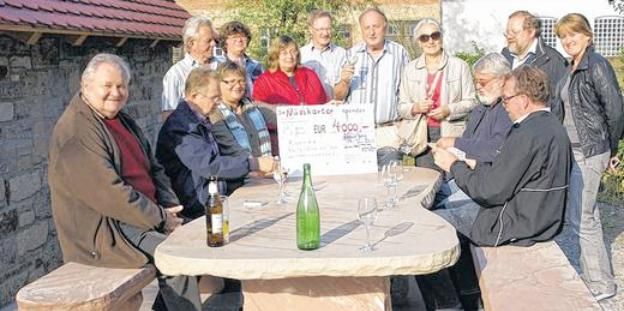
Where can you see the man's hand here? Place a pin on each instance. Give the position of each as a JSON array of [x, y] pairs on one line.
[[173, 221], [265, 164], [421, 107], [439, 113], [446, 142], [443, 158], [346, 74], [613, 164]]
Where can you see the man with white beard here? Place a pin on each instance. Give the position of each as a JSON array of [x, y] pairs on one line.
[[487, 126]]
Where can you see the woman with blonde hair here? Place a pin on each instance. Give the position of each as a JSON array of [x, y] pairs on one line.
[[590, 105], [287, 82], [436, 86]]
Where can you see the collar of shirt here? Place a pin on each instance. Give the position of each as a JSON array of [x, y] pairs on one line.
[[421, 63], [532, 50], [361, 47], [310, 46], [201, 119], [522, 118]]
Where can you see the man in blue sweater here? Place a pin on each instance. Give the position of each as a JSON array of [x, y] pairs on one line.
[[486, 129]]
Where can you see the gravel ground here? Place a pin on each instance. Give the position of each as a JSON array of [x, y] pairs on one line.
[[613, 225]]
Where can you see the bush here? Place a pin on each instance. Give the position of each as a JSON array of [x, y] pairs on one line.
[[613, 182], [471, 57]]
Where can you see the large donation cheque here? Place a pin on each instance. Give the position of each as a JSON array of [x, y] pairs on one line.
[[335, 140]]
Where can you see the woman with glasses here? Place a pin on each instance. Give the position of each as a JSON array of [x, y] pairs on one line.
[[239, 127], [590, 103], [436, 86], [235, 40], [286, 81]]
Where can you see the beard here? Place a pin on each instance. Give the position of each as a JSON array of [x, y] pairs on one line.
[[487, 100]]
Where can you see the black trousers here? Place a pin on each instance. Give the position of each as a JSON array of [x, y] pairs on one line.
[[176, 292]]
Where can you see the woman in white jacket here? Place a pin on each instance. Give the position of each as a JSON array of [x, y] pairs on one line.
[[436, 86]]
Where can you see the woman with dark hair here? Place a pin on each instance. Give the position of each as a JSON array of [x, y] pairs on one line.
[[590, 104], [286, 81], [236, 37]]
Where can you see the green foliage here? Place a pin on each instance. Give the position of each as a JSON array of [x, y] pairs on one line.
[[271, 18], [613, 182], [471, 57]]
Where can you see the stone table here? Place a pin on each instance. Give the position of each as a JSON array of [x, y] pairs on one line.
[[408, 240]]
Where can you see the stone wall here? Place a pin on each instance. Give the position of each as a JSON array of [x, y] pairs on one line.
[[36, 83]]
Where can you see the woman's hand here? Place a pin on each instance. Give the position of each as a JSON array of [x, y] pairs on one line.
[[613, 164], [421, 107], [439, 113]]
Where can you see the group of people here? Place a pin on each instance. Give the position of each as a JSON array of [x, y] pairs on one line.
[[533, 137]]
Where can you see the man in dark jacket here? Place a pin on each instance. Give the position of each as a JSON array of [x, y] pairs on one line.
[[111, 201], [188, 151], [520, 197], [526, 47]]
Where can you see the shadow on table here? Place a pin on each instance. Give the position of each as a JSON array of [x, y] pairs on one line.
[[256, 226], [338, 232], [394, 231]]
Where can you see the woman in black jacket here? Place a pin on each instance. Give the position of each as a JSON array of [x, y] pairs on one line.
[[590, 104]]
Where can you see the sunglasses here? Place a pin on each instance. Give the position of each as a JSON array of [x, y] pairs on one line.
[[425, 38]]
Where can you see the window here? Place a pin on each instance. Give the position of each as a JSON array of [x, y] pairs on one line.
[[609, 35], [547, 28]]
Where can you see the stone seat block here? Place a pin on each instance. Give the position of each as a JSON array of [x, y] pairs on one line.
[[533, 278], [76, 286]]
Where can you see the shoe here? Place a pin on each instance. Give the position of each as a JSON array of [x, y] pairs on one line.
[[604, 296]]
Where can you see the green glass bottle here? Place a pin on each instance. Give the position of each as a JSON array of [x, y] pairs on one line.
[[308, 215]]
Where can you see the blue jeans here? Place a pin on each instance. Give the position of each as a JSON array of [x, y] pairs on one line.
[[451, 196], [584, 217]]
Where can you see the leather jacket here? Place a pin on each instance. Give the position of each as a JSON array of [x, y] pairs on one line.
[[596, 103]]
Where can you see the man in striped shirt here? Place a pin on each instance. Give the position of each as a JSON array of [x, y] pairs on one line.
[[376, 79], [200, 39], [321, 55]]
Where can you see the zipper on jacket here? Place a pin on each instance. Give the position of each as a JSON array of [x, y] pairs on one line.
[[502, 225]]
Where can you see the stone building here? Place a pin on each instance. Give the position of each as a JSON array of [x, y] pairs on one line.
[[44, 46]]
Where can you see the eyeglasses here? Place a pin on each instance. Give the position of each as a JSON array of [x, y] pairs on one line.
[[483, 82], [232, 82], [322, 29], [508, 98], [425, 38], [512, 33], [237, 37]]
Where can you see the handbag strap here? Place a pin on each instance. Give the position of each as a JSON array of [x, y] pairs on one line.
[[431, 87]]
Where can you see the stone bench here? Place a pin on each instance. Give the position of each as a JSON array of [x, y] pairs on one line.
[[533, 278], [76, 287]]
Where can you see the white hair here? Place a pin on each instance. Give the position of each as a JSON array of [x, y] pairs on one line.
[[105, 58], [492, 63], [191, 28], [426, 21]]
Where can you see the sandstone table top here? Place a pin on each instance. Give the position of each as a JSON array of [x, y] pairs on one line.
[[408, 239]]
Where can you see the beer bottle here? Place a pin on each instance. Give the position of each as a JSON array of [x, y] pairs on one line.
[[308, 216], [214, 214]]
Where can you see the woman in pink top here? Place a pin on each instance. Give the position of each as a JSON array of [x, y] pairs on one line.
[[287, 82]]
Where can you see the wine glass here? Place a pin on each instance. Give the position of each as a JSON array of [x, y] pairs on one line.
[[397, 167], [389, 179], [280, 174], [367, 214]]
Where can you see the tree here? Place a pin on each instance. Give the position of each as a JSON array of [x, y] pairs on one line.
[[271, 18], [618, 5]]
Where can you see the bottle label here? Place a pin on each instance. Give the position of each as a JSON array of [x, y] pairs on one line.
[[216, 221]]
